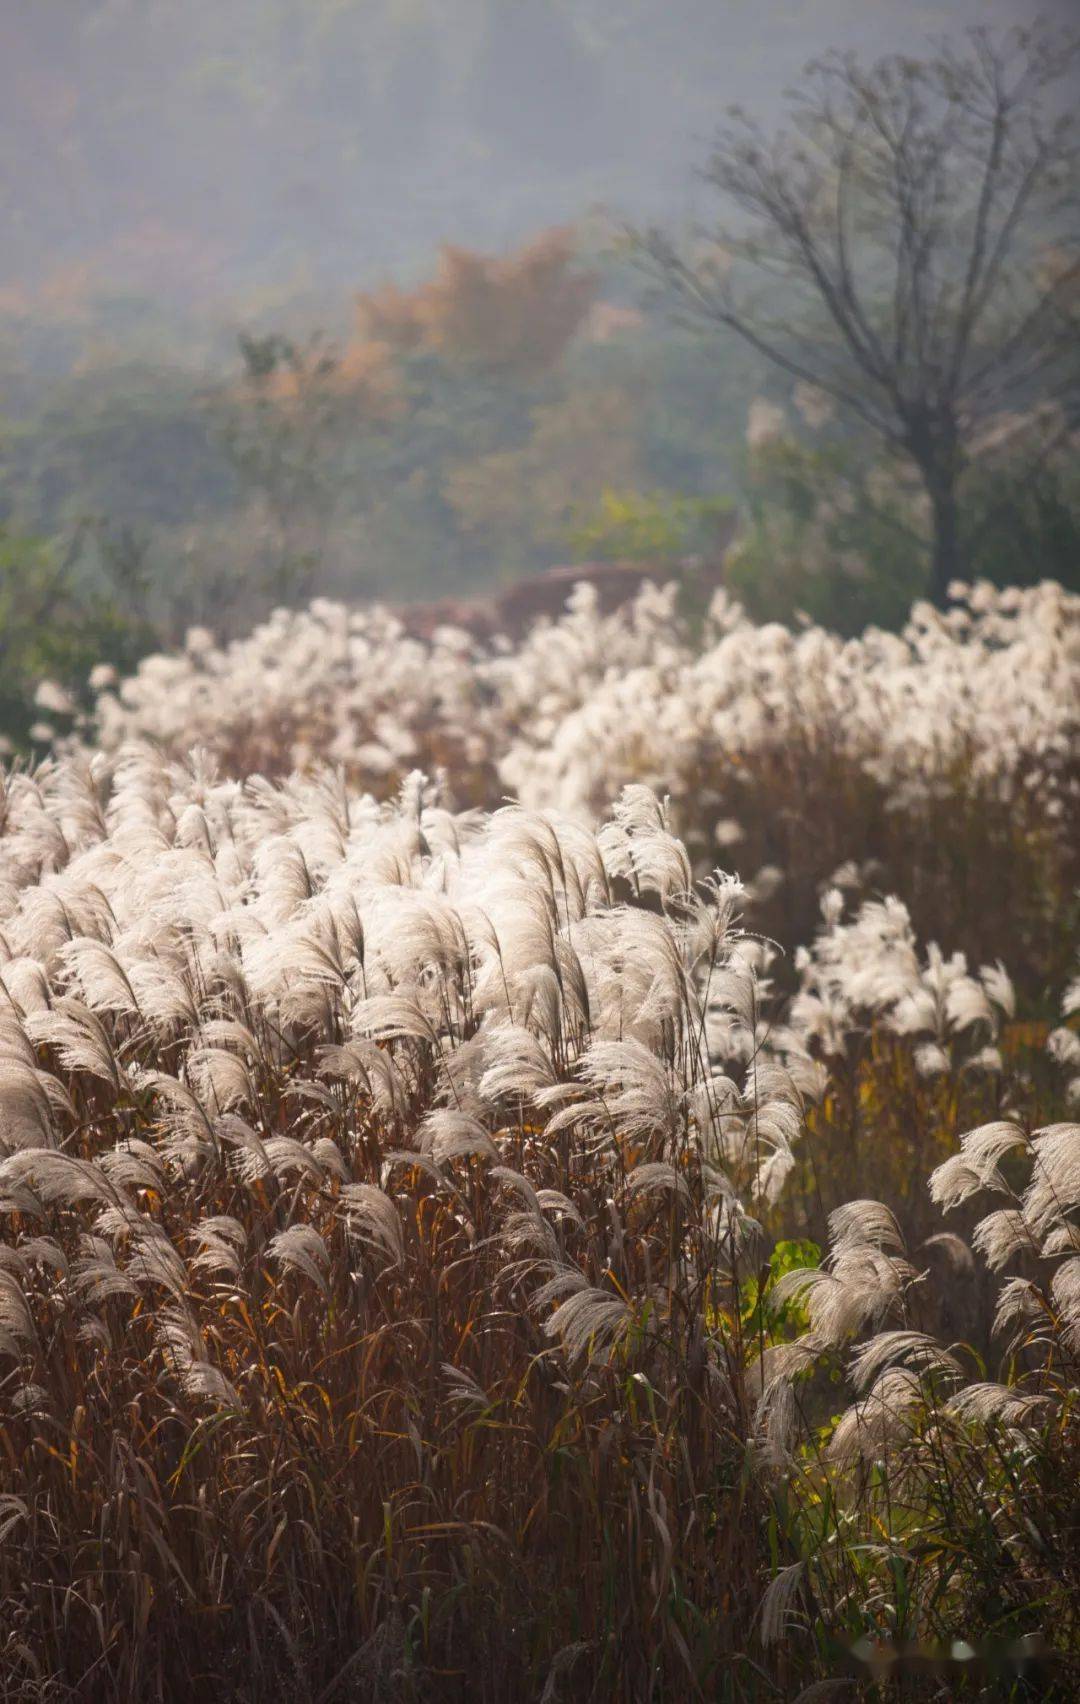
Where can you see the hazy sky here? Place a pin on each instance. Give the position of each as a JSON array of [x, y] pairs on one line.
[[197, 150]]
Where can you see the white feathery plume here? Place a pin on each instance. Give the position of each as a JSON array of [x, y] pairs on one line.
[[859, 1223], [998, 984], [392, 1017], [776, 1421], [373, 1217], [300, 1248], [26, 1115], [80, 1039], [282, 1157], [1054, 1191], [635, 1085], [58, 1179], [1019, 1305], [989, 1404], [13, 1260], [873, 1428], [968, 1003], [931, 1059], [861, 1282], [220, 1078], [779, 1363], [1065, 1291], [24, 983], [1002, 1235], [102, 979], [133, 1164], [449, 1135], [775, 1615], [836, 1308], [636, 844], [656, 1178], [554, 1201], [95, 1275], [911, 1349], [590, 1322], [1063, 1046], [43, 1251], [221, 1242], [364, 1062], [518, 1065], [976, 1166], [17, 1330], [330, 1159], [154, 1260], [178, 1335]]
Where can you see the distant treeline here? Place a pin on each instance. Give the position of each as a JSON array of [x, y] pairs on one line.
[[503, 415]]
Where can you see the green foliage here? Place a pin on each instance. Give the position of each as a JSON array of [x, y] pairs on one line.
[[128, 440], [763, 1318], [56, 625], [842, 535], [636, 526], [828, 534], [1023, 523]]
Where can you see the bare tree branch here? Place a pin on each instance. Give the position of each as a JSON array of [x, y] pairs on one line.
[[916, 213]]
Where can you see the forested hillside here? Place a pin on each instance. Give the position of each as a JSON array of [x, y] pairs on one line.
[[200, 150]]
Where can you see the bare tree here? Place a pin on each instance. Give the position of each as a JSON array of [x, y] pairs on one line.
[[928, 212]]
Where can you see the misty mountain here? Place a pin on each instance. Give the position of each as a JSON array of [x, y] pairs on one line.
[[191, 150]]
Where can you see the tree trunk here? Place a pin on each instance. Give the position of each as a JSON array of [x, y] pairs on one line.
[[945, 564]]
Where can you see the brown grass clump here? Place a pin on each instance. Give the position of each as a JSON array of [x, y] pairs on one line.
[[369, 1293], [411, 1277]]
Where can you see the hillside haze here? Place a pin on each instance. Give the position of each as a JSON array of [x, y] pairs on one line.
[[190, 152]]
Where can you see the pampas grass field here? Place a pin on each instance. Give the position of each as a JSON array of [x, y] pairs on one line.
[[548, 1172]]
